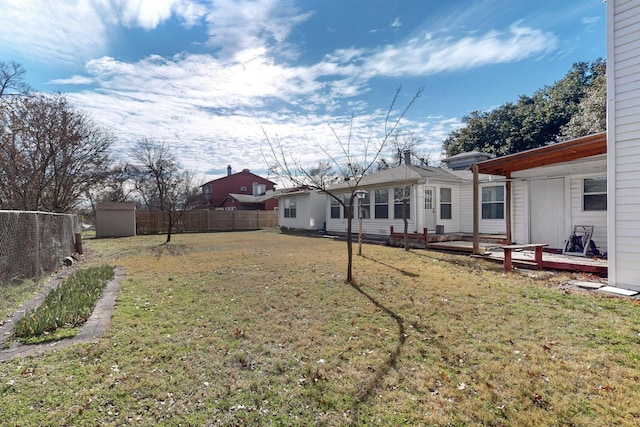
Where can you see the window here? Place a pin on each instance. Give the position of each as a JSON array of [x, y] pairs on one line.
[[335, 208], [594, 194], [381, 200], [243, 188], [445, 203], [366, 206], [428, 199], [493, 202], [399, 194], [289, 208]]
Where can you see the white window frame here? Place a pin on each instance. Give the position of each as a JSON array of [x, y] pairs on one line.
[[598, 194], [492, 200]]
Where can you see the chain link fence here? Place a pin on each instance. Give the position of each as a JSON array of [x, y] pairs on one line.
[[33, 244]]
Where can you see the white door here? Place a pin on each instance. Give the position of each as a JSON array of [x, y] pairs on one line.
[[547, 212], [430, 209]]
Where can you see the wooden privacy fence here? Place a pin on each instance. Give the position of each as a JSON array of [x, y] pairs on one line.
[[148, 222]]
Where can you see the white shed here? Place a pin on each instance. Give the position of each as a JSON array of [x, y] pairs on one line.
[[115, 219]]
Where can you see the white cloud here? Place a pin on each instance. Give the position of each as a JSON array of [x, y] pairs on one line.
[[65, 32], [238, 25], [430, 55], [75, 80], [148, 14], [209, 105], [73, 31]]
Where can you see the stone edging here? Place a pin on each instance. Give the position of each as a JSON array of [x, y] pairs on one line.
[[94, 327]]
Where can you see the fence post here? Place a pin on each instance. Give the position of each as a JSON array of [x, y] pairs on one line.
[[37, 239], [78, 241]]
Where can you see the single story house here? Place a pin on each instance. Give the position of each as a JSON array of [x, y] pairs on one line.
[[439, 200]]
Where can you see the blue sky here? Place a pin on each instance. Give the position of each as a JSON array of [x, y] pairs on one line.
[[208, 76]]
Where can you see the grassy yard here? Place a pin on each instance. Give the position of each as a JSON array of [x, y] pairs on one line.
[[259, 328]]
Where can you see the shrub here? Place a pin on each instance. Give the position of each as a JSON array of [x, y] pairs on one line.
[[69, 305]]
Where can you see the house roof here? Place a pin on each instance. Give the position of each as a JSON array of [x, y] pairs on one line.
[[242, 172], [294, 191], [466, 155], [560, 152], [250, 198], [401, 174]]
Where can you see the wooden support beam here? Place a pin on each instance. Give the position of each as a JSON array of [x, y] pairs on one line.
[[476, 221]]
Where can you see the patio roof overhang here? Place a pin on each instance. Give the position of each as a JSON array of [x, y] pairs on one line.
[[591, 145]]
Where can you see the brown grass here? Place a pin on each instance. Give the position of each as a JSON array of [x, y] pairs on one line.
[[259, 328]]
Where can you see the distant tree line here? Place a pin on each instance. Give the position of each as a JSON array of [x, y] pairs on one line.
[[55, 158], [572, 107]]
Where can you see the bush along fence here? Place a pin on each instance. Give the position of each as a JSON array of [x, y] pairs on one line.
[[33, 244], [149, 222]]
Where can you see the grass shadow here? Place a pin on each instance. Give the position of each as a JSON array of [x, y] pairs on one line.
[[368, 389], [461, 260], [403, 272], [169, 249]]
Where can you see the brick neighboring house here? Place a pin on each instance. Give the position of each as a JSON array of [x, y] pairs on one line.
[[240, 191]]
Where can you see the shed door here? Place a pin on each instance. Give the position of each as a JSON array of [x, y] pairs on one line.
[[547, 212]]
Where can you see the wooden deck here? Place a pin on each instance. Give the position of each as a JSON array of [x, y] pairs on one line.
[[550, 261]]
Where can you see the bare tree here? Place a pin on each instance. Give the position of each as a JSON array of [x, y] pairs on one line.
[[160, 182], [400, 146], [12, 79], [51, 155], [117, 186], [349, 165]]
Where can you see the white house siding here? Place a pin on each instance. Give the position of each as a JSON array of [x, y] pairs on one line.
[[465, 207], [519, 209], [373, 226], [317, 210], [301, 220], [310, 211], [581, 217], [623, 142], [458, 207]]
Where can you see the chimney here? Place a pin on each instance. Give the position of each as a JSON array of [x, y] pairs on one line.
[[407, 157], [228, 170]]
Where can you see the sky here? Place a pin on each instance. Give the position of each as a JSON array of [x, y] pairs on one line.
[[214, 78]]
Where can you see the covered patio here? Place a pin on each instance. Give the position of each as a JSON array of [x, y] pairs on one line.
[[562, 152]]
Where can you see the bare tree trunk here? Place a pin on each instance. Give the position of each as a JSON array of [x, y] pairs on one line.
[[349, 244], [406, 223], [169, 227]]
